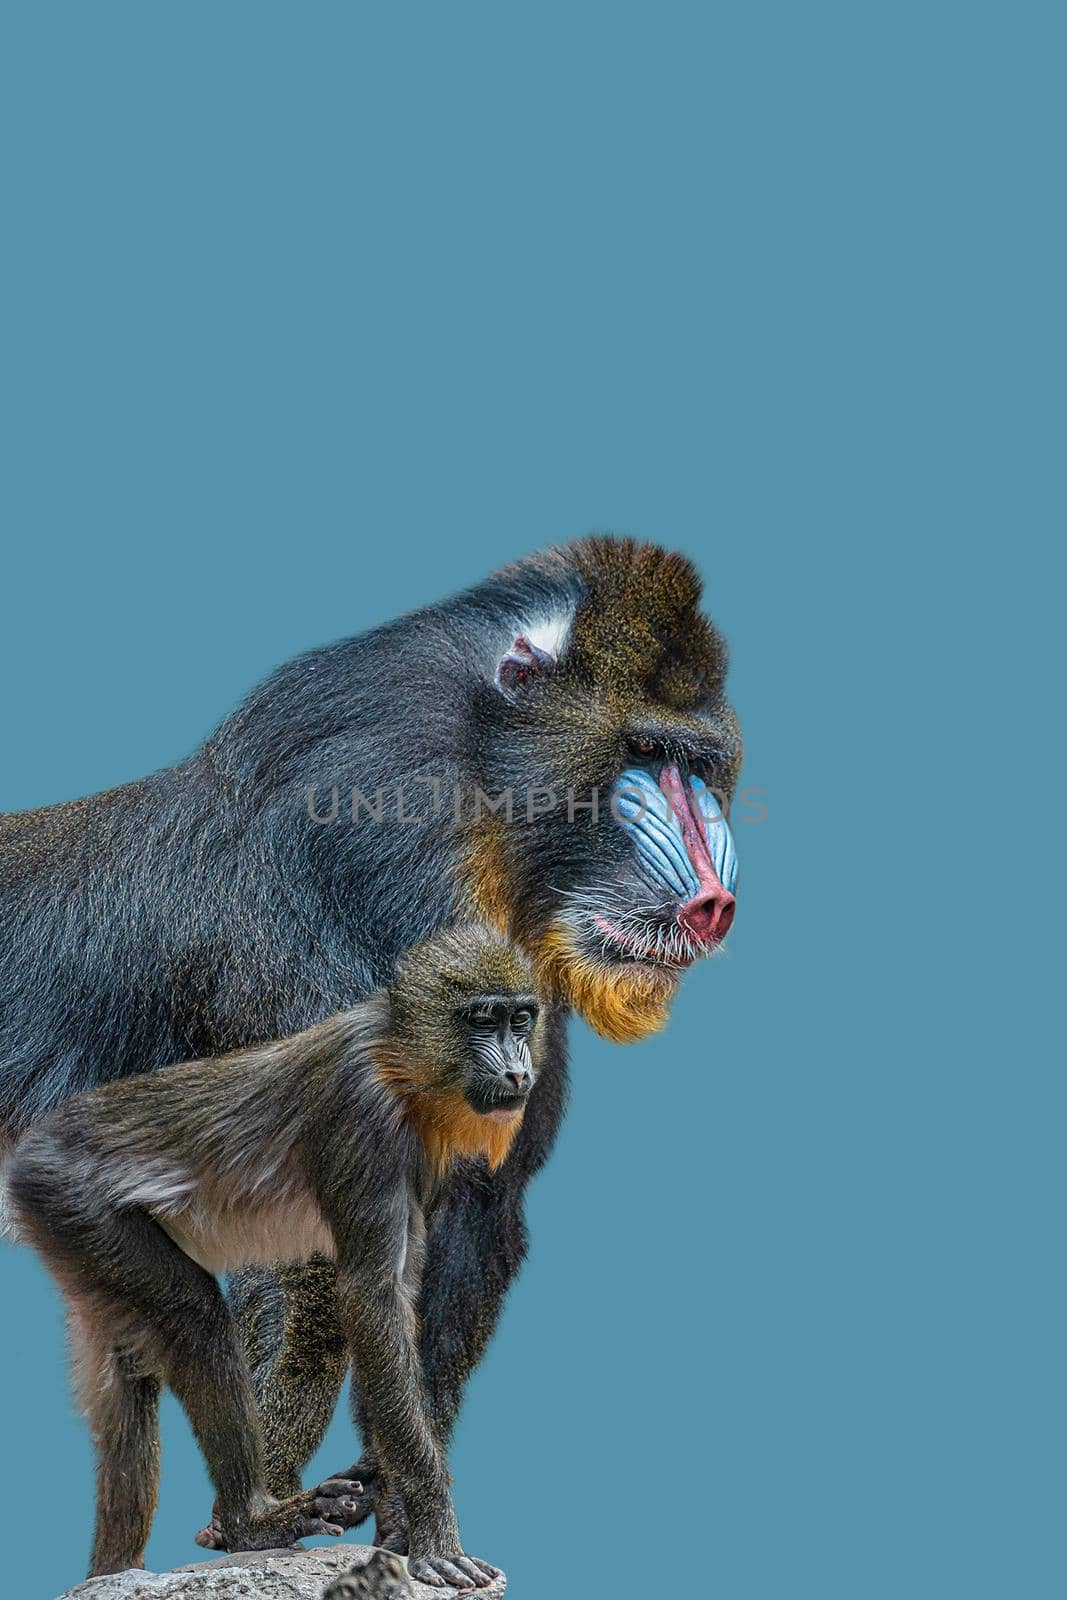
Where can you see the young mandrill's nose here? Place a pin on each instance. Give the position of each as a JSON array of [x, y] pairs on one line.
[[707, 917], [520, 1081]]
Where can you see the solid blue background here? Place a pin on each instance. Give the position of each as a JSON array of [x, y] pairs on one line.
[[315, 313]]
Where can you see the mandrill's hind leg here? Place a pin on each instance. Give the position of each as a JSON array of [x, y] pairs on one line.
[[150, 1286], [120, 1399], [127, 1277]]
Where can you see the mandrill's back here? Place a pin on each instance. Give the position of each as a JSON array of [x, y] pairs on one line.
[[199, 910], [203, 909], [83, 950]]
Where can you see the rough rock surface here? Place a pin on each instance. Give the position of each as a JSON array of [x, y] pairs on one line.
[[252, 1575]]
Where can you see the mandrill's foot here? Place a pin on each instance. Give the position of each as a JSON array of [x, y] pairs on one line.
[[328, 1509], [455, 1568], [210, 1536]]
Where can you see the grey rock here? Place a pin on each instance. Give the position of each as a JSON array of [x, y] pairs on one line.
[[251, 1575]]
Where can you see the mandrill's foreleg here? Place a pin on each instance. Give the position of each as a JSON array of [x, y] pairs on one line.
[[385, 1360], [476, 1244], [298, 1358]]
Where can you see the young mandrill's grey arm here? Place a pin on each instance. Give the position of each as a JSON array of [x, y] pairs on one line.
[[379, 1323], [476, 1244]]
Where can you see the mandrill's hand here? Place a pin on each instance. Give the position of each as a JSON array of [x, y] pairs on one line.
[[328, 1509], [373, 1496], [461, 1571], [391, 1520], [359, 1501]]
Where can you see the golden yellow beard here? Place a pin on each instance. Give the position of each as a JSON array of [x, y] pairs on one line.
[[446, 1125], [623, 1003]]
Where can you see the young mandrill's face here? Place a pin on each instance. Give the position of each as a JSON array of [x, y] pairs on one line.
[[496, 1034], [616, 869], [467, 1021]]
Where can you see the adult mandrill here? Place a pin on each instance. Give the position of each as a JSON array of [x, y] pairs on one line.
[[230, 900], [340, 1140]]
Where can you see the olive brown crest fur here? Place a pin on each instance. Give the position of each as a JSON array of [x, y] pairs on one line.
[[227, 900], [638, 676], [336, 1141]]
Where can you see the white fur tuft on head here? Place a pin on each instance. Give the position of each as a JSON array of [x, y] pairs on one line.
[[534, 650], [550, 633]]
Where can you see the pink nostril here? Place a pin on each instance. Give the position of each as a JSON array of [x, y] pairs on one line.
[[518, 1079], [707, 917]]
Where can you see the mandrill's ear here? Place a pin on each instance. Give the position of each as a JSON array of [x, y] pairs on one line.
[[524, 665]]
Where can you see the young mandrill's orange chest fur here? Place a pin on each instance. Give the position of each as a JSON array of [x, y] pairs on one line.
[[447, 1127]]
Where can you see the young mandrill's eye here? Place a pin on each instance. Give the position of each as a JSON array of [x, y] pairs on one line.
[[522, 1019]]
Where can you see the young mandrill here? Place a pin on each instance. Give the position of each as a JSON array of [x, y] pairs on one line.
[[338, 1141]]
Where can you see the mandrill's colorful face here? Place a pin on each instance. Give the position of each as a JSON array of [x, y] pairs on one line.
[[609, 728]]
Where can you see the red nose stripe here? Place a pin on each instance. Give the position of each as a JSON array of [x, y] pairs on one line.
[[684, 806], [708, 915]]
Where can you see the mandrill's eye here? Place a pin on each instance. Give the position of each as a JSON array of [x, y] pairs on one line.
[[643, 748], [522, 1019]]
